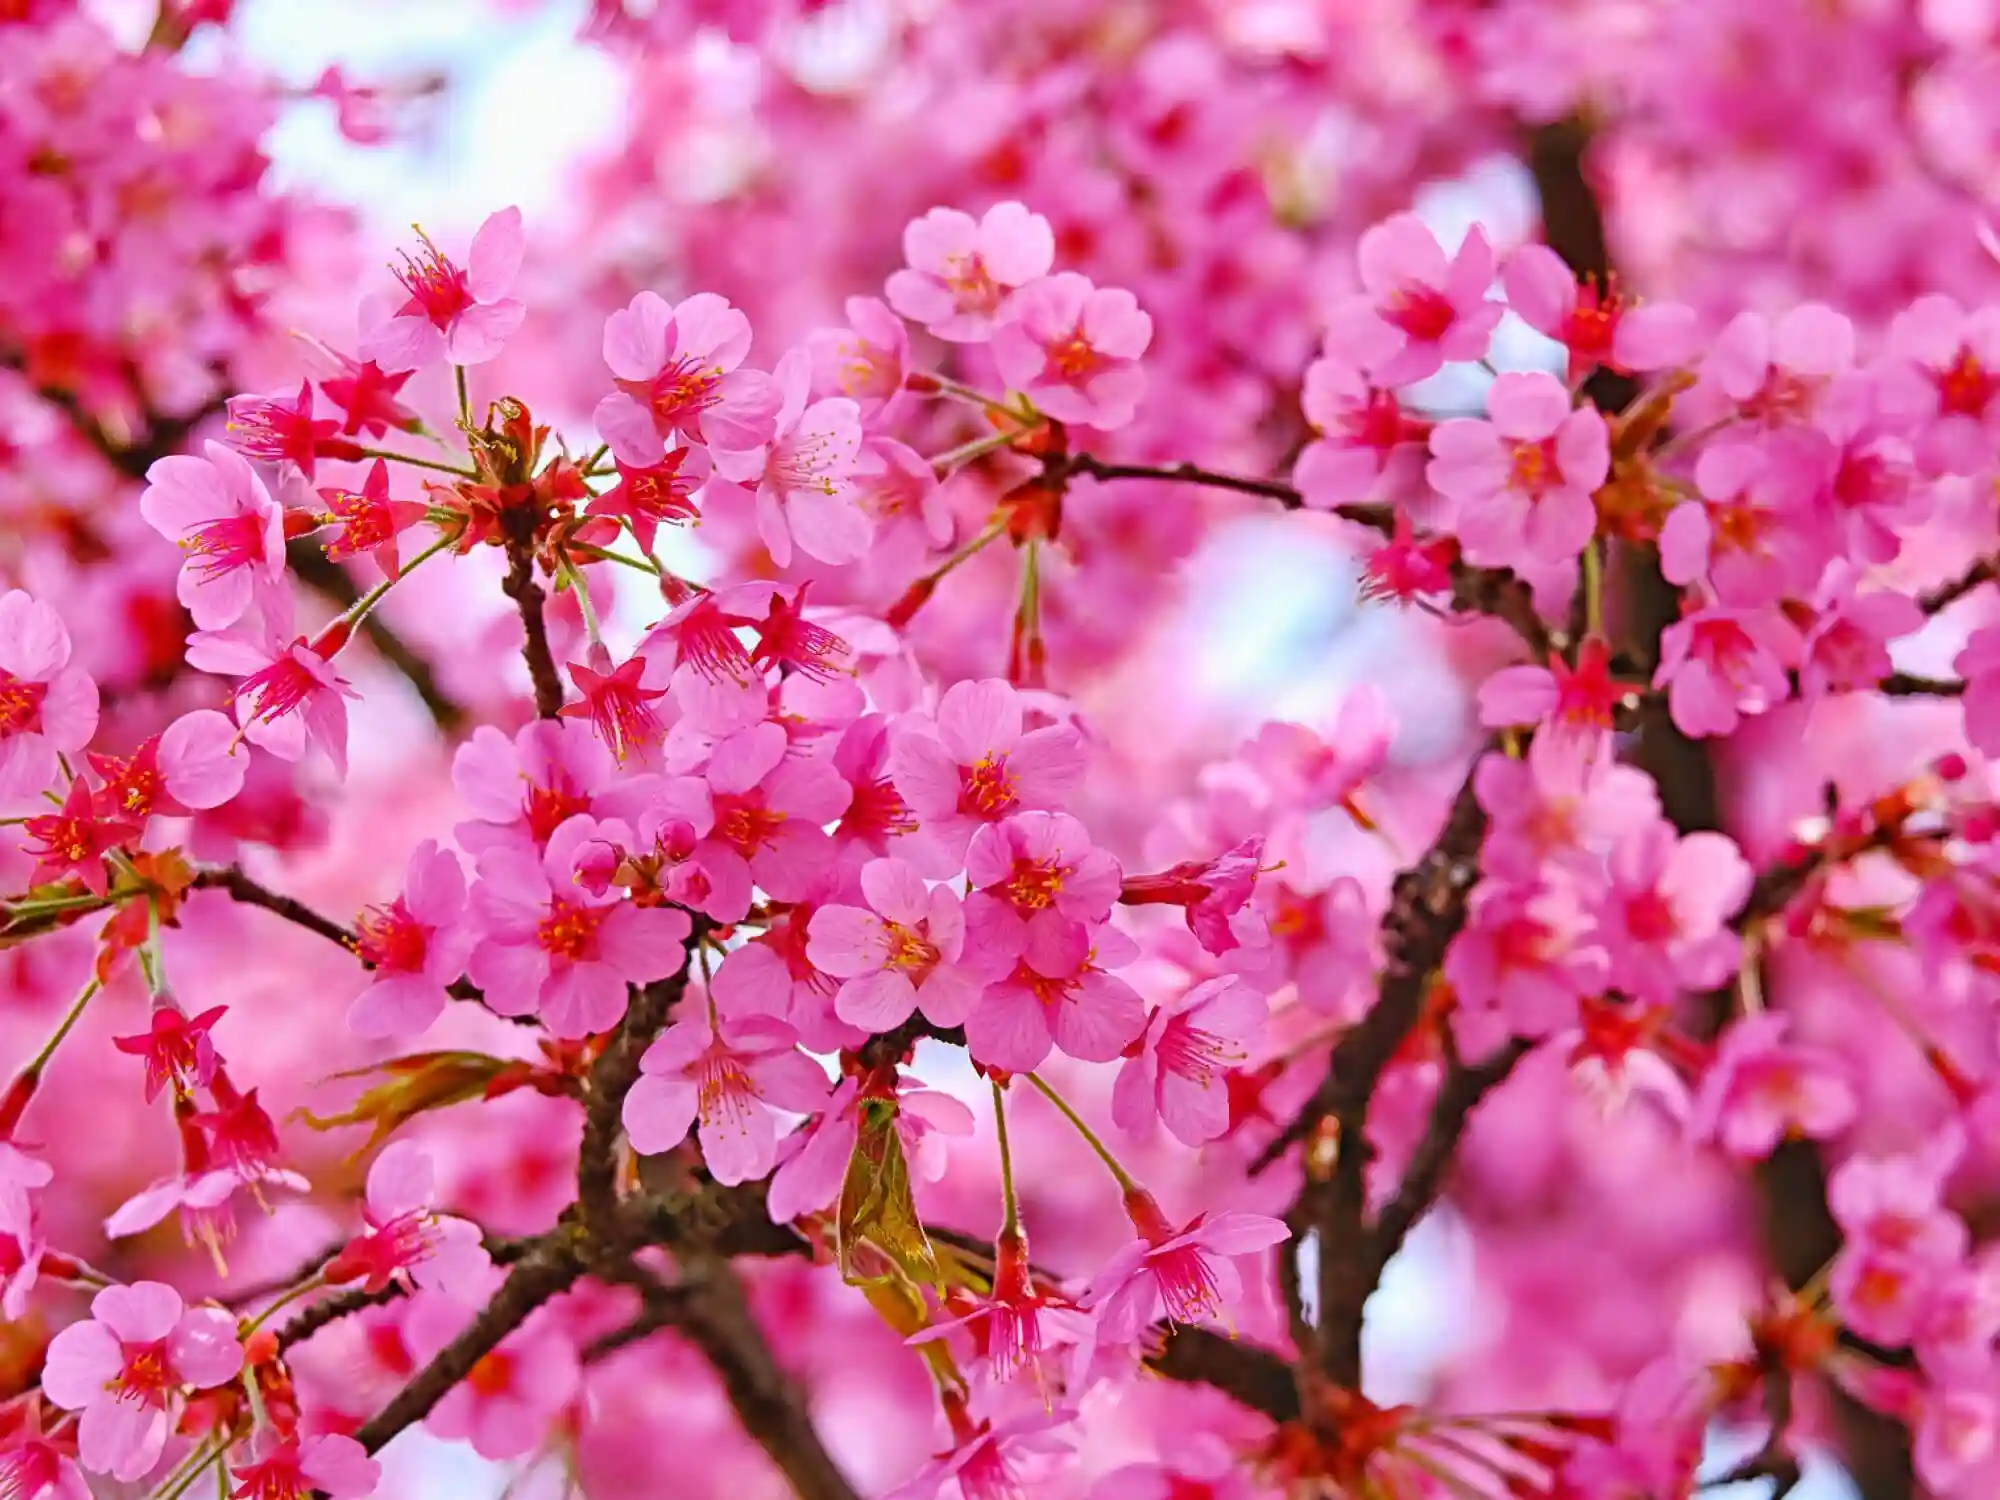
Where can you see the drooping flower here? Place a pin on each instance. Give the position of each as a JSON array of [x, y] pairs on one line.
[[461, 314], [290, 695], [1577, 701], [416, 946], [1213, 893], [35, 1468], [960, 270], [984, 1456], [544, 945], [1179, 1075], [905, 950], [974, 764], [1073, 349], [369, 521], [177, 1049], [405, 1240], [617, 703], [279, 429], [1185, 1274], [809, 1177], [330, 1464], [124, 1369], [728, 1082], [367, 393], [679, 375], [47, 707]]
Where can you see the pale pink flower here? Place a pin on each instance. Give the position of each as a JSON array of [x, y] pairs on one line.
[[974, 764], [1761, 1089], [1073, 349], [803, 474], [1978, 664], [196, 762], [771, 812], [1663, 921], [679, 375], [1058, 994], [330, 1464], [544, 945], [960, 270], [1186, 1274], [416, 945], [1331, 771], [866, 360], [728, 1082], [1956, 1432], [47, 707], [1722, 665], [125, 1368], [1420, 310], [522, 789], [1747, 536], [1775, 372], [1037, 861], [506, 1405], [405, 1241], [1364, 434], [1180, 1075], [1521, 964], [1521, 481], [1597, 326], [905, 950], [814, 1160], [460, 314]]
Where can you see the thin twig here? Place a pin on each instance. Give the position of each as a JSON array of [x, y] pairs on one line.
[[240, 887], [530, 597]]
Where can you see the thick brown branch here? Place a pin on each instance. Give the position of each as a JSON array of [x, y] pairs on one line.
[[1947, 594], [611, 1079], [530, 597], [1909, 685], [332, 582], [1247, 1373]]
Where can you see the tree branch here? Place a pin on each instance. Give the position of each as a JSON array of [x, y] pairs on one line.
[[529, 596], [240, 887], [611, 1079]]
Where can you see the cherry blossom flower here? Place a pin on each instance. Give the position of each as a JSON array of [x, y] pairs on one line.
[[1956, 1432], [294, 1468], [1598, 326], [290, 695], [617, 703], [543, 945], [1059, 994], [1420, 309], [771, 812], [417, 945], [73, 840], [814, 1160], [1007, 1324], [405, 1241], [728, 1080], [1721, 665], [177, 1049], [1575, 700], [47, 707], [866, 360], [1978, 663], [679, 374], [196, 762], [1364, 436], [1663, 920], [802, 475], [1186, 1274], [367, 394], [1775, 372], [1329, 771], [505, 1405], [1213, 892], [1847, 647], [1190, 1045], [1745, 538], [1521, 964], [960, 270], [984, 1457], [279, 429], [369, 521], [974, 764], [1073, 349], [650, 496], [35, 1468], [460, 314], [125, 1367], [906, 949], [1522, 479], [1762, 1089], [1953, 369], [524, 788], [1040, 861]]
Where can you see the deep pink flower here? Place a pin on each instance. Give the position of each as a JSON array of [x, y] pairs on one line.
[[960, 270], [1577, 701], [1721, 665], [905, 950], [866, 360], [330, 1464], [1186, 1274], [369, 521], [1058, 994], [1405, 569], [33, 1468], [617, 703], [1038, 861], [1363, 432], [1663, 920], [1522, 479], [1953, 381], [650, 496], [1847, 647], [802, 475], [417, 946], [1006, 1324], [544, 945], [405, 1241], [524, 788], [47, 706], [290, 694], [1761, 1090], [124, 1370], [1073, 349], [177, 1049], [1180, 1073], [975, 765], [983, 1456], [1901, 1242], [1598, 326], [771, 812], [1420, 310], [279, 429], [367, 393], [196, 762], [728, 1082], [678, 372], [1520, 965], [73, 840], [1213, 892], [460, 314], [505, 1406], [811, 1172]]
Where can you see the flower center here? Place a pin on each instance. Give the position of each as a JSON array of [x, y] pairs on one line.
[[623, 719], [1533, 469], [966, 277], [20, 704], [804, 464], [437, 288], [390, 938], [1196, 1054], [547, 807], [493, 1375], [1035, 884], [569, 930], [1074, 358], [1965, 387], [1649, 917], [682, 392], [911, 951], [746, 826], [146, 1376], [723, 1092], [224, 544], [1423, 312], [985, 788], [1187, 1285], [279, 689]]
